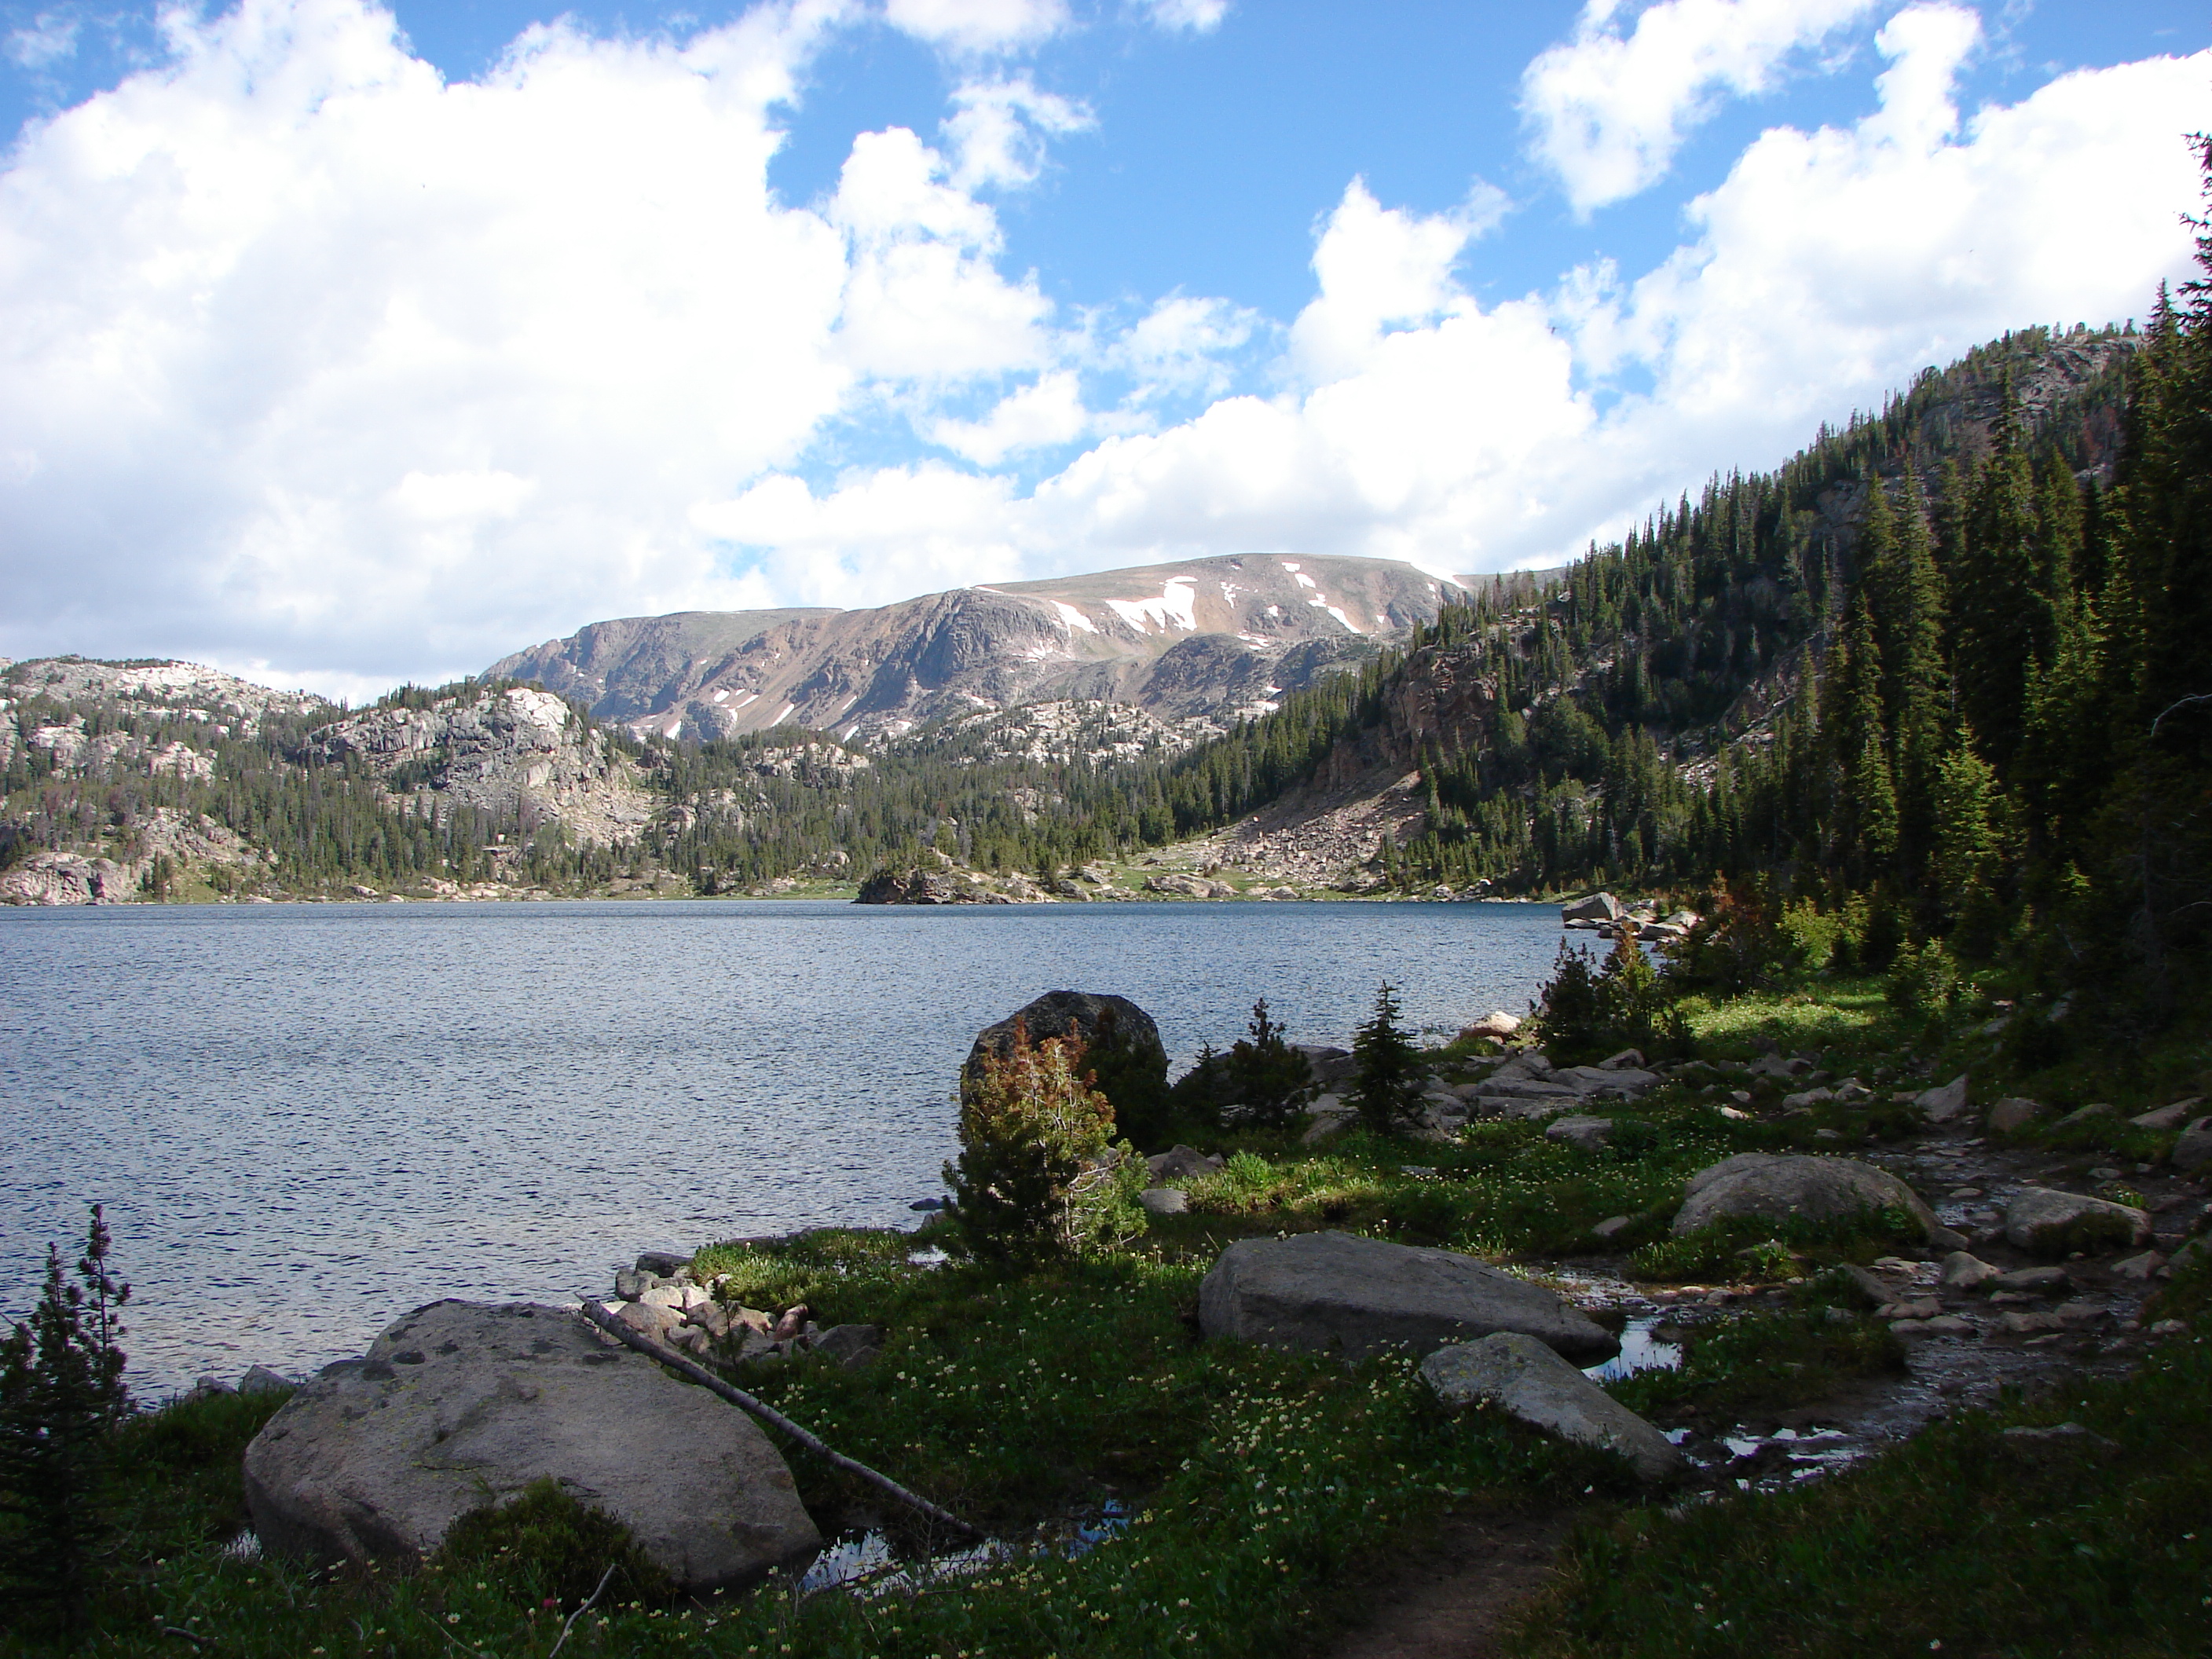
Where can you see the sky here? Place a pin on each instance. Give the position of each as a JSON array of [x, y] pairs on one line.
[[342, 345]]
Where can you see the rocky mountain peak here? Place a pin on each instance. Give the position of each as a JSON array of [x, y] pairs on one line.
[[1216, 638]]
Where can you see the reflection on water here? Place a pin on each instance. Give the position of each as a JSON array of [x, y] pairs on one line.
[[306, 1120], [1640, 1350]]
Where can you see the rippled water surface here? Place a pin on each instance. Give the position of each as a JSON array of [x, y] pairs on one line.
[[306, 1120]]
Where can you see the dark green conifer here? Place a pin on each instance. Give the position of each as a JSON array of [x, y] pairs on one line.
[[1386, 1077]]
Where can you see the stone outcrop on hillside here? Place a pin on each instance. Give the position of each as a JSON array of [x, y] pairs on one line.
[[460, 1404], [1218, 637], [59, 878], [517, 750], [192, 689]]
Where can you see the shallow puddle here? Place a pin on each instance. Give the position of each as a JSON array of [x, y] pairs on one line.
[[866, 1564], [1640, 1350]]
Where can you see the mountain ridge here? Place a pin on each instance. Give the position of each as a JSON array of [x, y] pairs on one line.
[[1211, 639]]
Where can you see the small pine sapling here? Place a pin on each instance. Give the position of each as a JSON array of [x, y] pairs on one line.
[[1034, 1129], [1272, 1079], [1387, 1076], [61, 1397]]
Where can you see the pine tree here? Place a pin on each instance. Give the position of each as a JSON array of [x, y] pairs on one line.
[[1031, 1125], [1863, 812], [1993, 590], [1907, 600], [62, 1396], [1272, 1079], [1387, 1075]]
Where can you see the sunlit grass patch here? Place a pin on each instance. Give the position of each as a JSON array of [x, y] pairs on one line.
[[1850, 1014]]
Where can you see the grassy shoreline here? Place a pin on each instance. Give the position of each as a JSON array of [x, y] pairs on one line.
[[1242, 1502]]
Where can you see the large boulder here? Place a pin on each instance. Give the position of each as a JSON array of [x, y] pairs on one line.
[[1782, 1186], [1122, 1047], [1526, 1380], [1944, 1102], [460, 1404], [2049, 1223], [1332, 1292], [927, 887], [2193, 1150], [2014, 1113], [1598, 907], [1497, 1026]]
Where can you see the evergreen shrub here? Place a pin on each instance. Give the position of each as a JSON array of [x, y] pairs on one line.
[[1035, 1177]]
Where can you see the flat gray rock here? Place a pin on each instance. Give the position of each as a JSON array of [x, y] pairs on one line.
[[460, 1403], [1780, 1186], [1590, 1133], [1331, 1292], [1965, 1272], [2049, 1223], [1524, 1378]]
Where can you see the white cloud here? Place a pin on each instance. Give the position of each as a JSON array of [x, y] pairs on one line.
[[49, 38], [1607, 111], [1181, 346], [1826, 269], [923, 300], [879, 536], [998, 130], [451, 495], [1199, 16], [308, 357], [978, 27], [1379, 267], [1047, 412], [1834, 263]]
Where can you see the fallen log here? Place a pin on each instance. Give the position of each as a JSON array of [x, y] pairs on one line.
[[596, 1313]]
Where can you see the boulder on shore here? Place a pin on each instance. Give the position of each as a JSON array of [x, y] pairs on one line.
[[1333, 1293], [1598, 907], [927, 887], [461, 1403], [1526, 1380], [2049, 1223], [1497, 1026], [1122, 1045], [1782, 1186]]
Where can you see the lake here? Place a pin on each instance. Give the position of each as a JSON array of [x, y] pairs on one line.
[[306, 1120]]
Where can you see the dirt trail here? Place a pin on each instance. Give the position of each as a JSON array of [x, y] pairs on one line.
[[1446, 1602], [1449, 1598]]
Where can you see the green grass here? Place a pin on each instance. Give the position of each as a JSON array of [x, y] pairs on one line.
[[1260, 1485], [1753, 1248], [1762, 1362], [1953, 1543], [1263, 1489]]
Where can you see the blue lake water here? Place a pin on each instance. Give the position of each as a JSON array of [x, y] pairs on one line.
[[304, 1120]]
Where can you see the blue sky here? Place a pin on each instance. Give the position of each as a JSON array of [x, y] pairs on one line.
[[344, 344]]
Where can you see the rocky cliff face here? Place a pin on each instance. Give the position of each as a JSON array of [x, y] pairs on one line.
[[1208, 638], [517, 750]]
